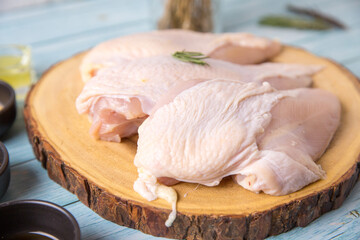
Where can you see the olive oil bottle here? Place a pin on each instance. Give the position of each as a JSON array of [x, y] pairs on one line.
[[15, 67]]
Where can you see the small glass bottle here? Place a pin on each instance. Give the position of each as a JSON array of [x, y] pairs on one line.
[[15, 67]]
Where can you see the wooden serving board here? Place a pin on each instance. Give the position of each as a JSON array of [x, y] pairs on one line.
[[102, 174]]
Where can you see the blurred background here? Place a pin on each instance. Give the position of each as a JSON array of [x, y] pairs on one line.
[[56, 29]]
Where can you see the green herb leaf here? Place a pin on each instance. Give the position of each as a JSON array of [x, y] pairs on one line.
[[317, 15], [291, 22], [191, 57]]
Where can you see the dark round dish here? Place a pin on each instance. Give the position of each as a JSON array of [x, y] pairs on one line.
[[35, 219], [4, 170], [7, 107]]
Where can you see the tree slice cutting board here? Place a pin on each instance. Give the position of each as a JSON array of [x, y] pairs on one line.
[[102, 173]]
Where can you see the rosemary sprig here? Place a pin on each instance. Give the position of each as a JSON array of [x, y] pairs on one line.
[[191, 57], [291, 22], [317, 15]]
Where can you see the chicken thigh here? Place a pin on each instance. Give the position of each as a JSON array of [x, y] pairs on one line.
[[240, 48], [266, 139]]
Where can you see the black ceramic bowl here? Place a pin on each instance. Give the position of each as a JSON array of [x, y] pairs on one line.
[[4, 170], [7, 107], [35, 219]]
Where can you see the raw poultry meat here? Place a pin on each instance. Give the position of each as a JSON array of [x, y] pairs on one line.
[[119, 99], [267, 140], [240, 48]]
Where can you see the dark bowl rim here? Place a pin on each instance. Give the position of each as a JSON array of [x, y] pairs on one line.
[[5, 159], [60, 209], [11, 100]]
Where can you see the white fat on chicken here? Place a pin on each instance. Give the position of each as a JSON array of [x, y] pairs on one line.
[[267, 140], [117, 100], [240, 48]]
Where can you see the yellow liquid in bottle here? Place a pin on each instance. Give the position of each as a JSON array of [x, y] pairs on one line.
[[13, 72]]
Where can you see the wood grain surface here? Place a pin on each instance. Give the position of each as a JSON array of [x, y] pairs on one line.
[[101, 174]]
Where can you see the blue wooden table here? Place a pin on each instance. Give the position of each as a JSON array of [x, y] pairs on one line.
[[58, 30]]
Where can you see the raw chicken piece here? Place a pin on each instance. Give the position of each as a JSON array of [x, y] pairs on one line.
[[300, 130], [119, 99], [240, 48], [268, 140]]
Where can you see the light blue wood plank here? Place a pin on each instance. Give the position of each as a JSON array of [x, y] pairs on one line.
[[16, 140], [241, 15], [42, 11], [45, 55], [30, 181], [72, 19], [34, 10], [337, 224], [17, 144], [301, 37], [340, 47], [95, 15]]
